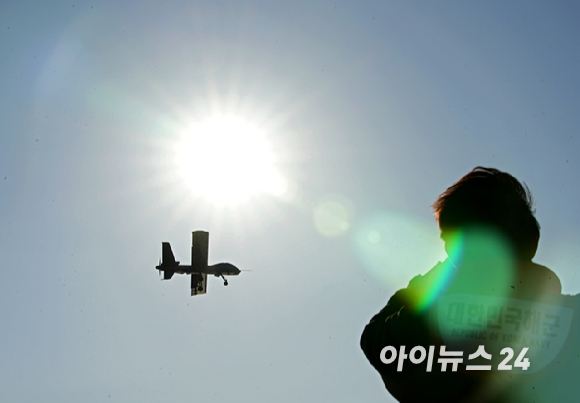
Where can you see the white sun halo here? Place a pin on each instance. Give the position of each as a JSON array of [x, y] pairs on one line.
[[227, 160]]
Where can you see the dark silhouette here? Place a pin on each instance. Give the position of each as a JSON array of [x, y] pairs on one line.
[[198, 268], [491, 235]]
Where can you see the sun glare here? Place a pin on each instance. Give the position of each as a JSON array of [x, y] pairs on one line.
[[228, 160]]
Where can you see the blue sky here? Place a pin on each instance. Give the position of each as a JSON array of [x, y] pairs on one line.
[[370, 109]]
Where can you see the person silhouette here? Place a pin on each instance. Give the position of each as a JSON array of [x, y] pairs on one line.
[[491, 235]]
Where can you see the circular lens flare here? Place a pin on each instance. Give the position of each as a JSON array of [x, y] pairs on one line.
[[333, 216]]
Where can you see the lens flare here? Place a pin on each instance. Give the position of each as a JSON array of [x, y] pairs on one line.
[[443, 274], [480, 261], [333, 216], [394, 247]]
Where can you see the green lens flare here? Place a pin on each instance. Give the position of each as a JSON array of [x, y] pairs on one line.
[[444, 274], [480, 261]]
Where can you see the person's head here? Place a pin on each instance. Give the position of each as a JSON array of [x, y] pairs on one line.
[[490, 198]]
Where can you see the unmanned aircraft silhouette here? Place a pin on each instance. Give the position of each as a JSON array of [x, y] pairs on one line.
[[199, 268]]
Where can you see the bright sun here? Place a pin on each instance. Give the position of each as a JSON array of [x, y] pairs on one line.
[[228, 160]]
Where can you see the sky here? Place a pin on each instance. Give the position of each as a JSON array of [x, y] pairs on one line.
[[335, 126]]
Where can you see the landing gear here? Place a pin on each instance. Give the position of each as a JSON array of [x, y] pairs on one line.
[[225, 281]]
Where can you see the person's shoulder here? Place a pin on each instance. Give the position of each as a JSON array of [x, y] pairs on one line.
[[425, 280], [423, 285], [542, 278], [417, 287]]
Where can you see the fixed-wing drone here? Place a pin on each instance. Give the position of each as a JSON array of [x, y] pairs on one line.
[[199, 268]]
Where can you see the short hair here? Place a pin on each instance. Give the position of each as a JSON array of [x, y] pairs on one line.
[[492, 198]]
